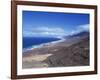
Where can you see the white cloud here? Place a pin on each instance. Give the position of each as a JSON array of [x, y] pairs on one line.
[[48, 29], [84, 27], [80, 28], [53, 31], [44, 31]]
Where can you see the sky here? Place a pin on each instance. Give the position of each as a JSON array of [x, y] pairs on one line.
[[53, 24]]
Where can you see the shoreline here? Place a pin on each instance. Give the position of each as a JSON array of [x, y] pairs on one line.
[[42, 45], [60, 53]]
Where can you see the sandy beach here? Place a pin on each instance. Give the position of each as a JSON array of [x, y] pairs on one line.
[[68, 52]]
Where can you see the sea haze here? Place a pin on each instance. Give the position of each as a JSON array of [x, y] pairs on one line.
[[28, 42]]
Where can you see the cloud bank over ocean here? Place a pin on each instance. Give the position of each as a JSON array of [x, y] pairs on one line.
[[44, 31], [53, 24]]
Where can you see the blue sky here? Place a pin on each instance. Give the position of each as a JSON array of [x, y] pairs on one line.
[[53, 24]]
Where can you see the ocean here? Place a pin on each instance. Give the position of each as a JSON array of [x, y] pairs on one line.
[[29, 42]]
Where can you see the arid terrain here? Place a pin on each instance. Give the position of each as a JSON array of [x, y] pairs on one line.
[[73, 51]]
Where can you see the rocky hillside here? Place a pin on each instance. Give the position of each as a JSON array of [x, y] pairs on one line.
[[74, 55]]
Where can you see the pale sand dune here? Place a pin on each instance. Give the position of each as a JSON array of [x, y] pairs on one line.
[[37, 57], [37, 60]]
